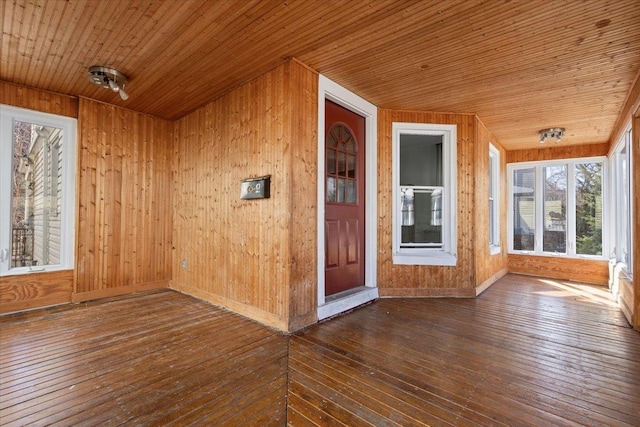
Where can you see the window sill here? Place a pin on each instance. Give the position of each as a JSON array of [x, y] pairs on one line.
[[559, 255], [433, 258], [495, 250], [19, 271]]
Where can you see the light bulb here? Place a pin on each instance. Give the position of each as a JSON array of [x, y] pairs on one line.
[[124, 95], [113, 85]]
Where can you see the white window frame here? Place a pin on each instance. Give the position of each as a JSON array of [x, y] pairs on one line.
[[494, 199], [571, 220], [447, 255], [619, 227], [8, 115]]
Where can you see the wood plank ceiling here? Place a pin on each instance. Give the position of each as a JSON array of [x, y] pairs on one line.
[[521, 65]]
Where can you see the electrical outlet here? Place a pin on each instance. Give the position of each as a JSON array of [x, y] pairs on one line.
[[184, 263]]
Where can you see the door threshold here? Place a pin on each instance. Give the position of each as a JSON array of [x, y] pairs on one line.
[[344, 301]]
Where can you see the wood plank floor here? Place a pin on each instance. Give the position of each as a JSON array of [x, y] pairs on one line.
[[527, 352], [154, 358]]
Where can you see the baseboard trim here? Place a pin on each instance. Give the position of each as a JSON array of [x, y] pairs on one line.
[[490, 281], [120, 290]]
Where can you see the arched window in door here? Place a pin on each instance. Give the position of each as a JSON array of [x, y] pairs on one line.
[[342, 182]]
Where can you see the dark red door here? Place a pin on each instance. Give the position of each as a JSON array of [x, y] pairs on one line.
[[344, 199]]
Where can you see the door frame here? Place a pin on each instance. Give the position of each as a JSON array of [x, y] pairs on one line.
[[329, 90]]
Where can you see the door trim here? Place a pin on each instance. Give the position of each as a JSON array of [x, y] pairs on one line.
[[329, 90]]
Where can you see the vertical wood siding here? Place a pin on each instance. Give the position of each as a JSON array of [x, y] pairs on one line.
[[418, 280], [582, 270], [487, 265], [557, 152], [124, 200], [302, 90], [246, 254], [39, 100]]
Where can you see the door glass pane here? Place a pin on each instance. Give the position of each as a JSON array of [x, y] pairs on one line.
[[341, 182], [588, 208], [331, 189], [331, 139], [331, 161], [351, 166], [524, 212], [554, 238], [351, 191], [36, 195], [350, 145], [342, 168]]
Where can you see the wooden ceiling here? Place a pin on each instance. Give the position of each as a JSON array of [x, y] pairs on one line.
[[520, 65]]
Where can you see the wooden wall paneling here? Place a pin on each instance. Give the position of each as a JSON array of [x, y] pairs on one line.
[[488, 268], [124, 216], [408, 280], [39, 100], [551, 152], [239, 252], [581, 270], [303, 281], [34, 290]]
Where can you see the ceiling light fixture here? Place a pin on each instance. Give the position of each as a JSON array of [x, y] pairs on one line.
[[109, 78], [551, 133]]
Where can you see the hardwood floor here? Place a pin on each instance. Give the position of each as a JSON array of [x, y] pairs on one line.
[[526, 352], [155, 358]]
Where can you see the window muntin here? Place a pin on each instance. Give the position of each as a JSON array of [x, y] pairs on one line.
[[36, 194], [556, 208], [424, 217]]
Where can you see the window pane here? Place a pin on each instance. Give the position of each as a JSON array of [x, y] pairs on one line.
[[589, 208], [341, 164], [554, 238], [421, 160], [341, 190], [421, 218], [524, 212], [350, 144], [351, 191], [331, 161], [37, 195], [624, 223], [331, 189], [492, 231], [351, 163]]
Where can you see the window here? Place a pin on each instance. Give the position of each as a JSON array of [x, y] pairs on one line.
[[621, 206], [556, 208], [424, 193], [37, 168], [494, 199]]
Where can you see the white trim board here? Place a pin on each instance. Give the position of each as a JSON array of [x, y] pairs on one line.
[[329, 90]]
